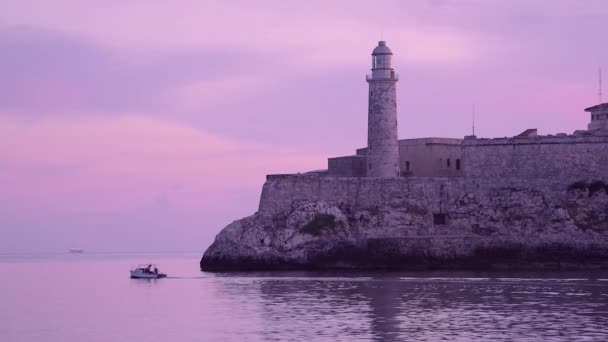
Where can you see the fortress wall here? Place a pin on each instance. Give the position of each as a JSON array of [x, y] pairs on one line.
[[281, 191], [544, 162]]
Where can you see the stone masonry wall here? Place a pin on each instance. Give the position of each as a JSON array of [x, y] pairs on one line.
[[280, 192], [349, 166], [543, 162]]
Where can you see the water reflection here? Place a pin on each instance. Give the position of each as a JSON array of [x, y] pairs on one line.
[[96, 301], [310, 306]]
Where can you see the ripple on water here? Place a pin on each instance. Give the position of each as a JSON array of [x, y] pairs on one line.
[[279, 306]]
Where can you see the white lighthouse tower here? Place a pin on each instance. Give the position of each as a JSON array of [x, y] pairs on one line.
[[382, 140]]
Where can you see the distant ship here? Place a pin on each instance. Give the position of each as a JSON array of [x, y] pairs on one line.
[[76, 250]]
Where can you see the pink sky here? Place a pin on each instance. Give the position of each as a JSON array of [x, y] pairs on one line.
[[123, 119]]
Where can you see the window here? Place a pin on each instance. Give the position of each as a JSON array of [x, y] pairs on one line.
[[457, 164], [449, 162], [371, 94], [439, 219], [407, 166], [381, 62], [370, 166]]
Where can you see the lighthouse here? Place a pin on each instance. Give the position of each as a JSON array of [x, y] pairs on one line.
[[382, 140]]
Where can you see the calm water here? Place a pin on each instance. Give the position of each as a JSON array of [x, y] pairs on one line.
[[65, 298]]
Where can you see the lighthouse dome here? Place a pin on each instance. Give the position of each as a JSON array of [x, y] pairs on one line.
[[382, 49]]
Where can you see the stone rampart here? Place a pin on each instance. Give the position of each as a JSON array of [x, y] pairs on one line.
[[280, 192], [542, 162]]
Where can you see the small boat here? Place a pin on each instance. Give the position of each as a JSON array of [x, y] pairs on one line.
[[76, 250], [146, 271]]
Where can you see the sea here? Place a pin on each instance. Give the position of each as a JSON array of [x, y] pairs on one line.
[[61, 297]]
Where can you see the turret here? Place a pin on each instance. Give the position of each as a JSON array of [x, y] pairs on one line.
[[599, 117]]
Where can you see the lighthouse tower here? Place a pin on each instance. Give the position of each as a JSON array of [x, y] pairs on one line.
[[382, 144]]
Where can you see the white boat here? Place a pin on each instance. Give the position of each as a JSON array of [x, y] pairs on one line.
[[146, 271], [76, 250]]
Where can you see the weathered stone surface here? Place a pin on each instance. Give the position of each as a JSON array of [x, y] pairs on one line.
[[382, 139], [535, 162], [319, 222], [349, 166]]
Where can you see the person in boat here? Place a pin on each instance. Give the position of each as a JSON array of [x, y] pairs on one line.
[[155, 270]]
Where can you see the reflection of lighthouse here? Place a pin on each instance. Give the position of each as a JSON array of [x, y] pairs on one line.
[[382, 145]]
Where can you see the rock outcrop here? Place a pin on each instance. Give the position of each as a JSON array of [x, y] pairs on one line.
[[309, 222]]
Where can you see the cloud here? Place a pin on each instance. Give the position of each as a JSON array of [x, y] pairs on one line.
[[49, 72], [124, 162], [201, 94]]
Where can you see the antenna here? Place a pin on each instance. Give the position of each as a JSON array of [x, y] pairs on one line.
[[599, 91], [473, 119]]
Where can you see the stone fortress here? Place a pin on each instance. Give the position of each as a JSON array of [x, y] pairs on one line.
[[519, 202]]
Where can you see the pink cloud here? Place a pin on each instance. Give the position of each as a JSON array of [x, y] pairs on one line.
[[104, 164]]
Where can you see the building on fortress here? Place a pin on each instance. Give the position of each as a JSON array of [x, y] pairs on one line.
[[528, 157], [599, 117], [423, 157]]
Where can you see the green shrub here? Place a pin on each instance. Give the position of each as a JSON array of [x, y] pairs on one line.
[[577, 186], [318, 224], [597, 186]]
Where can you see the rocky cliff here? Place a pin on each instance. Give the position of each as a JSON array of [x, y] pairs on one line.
[[307, 222]]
